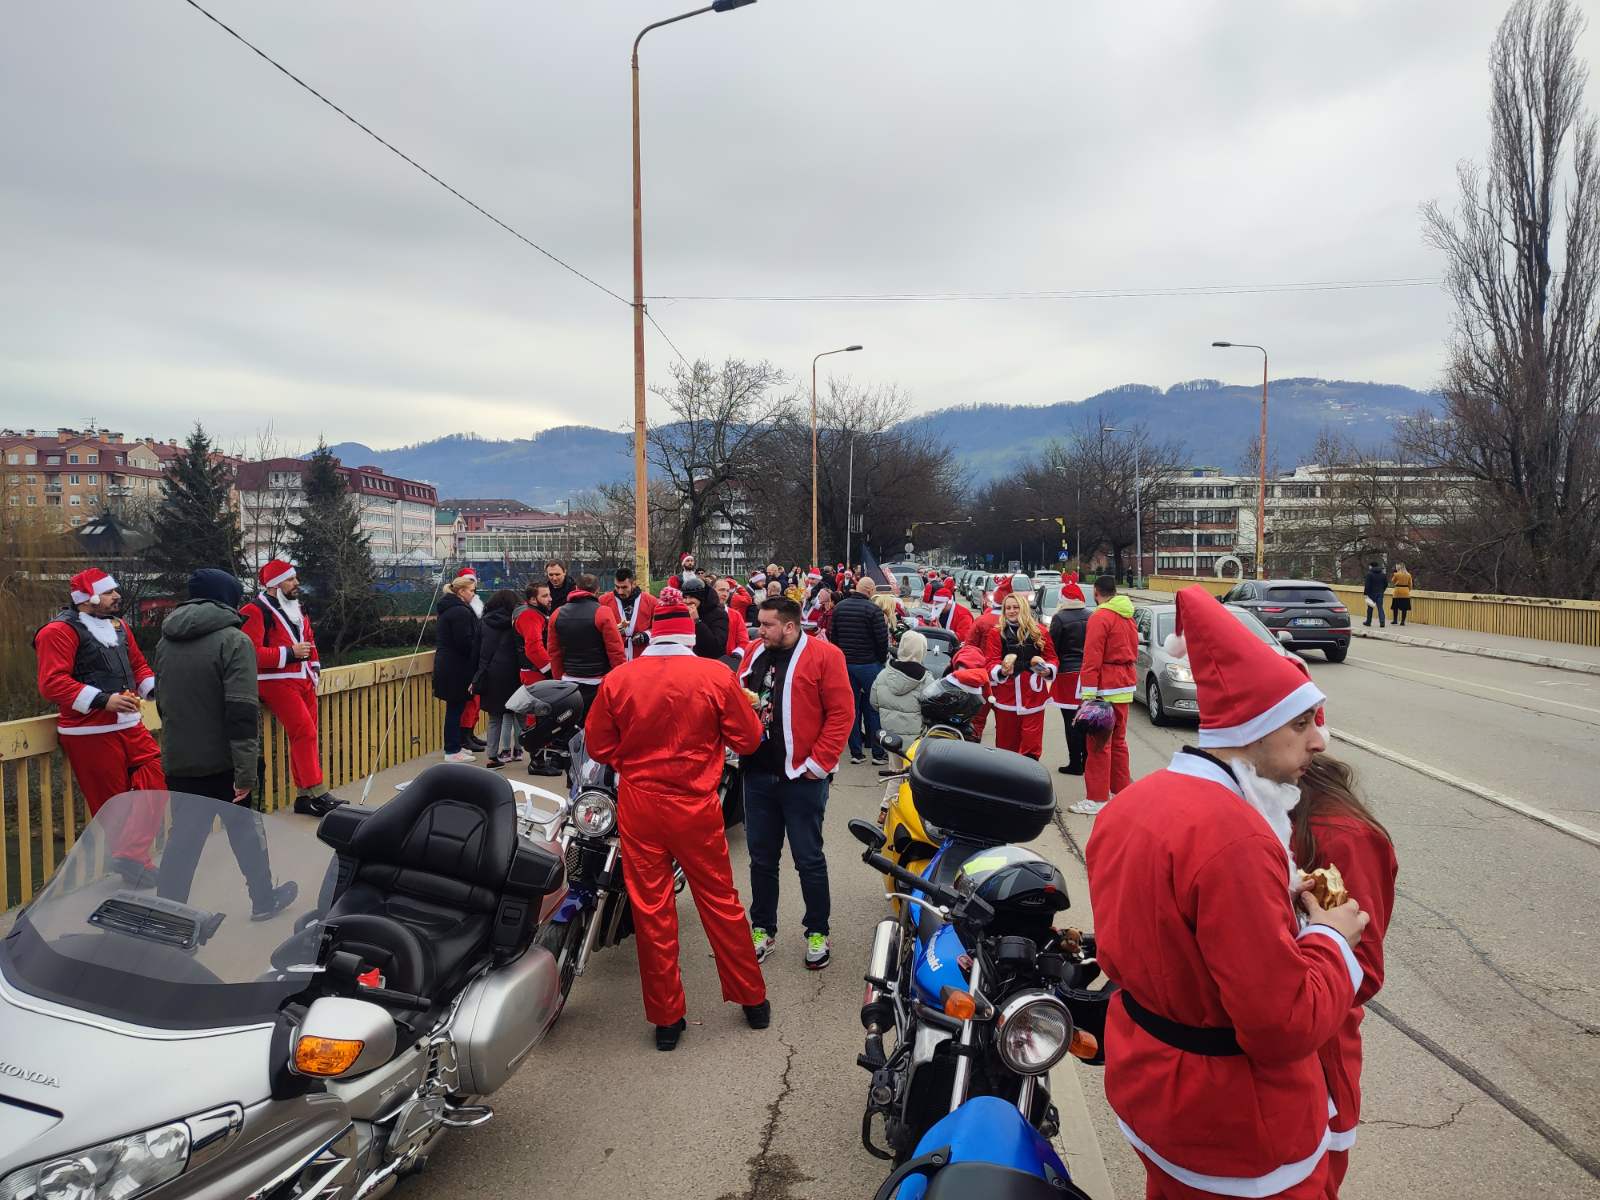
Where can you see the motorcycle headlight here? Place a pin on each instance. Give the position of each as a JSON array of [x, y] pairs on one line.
[[594, 813], [117, 1170], [1179, 672], [1033, 1033]]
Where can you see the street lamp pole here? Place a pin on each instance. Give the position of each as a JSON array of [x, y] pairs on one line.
[[1261, 494], [1138, 504], [824, 354], [641, 479]]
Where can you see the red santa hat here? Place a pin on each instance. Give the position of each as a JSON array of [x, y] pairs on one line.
[[685, 557], [466, 573], [275, 573], [759, 579], [813, 576], [672, 622], [1246, 688], [947, 588], [88, 586]]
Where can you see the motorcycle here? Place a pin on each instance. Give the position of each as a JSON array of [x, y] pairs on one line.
[[216, 1038], [981, 994]]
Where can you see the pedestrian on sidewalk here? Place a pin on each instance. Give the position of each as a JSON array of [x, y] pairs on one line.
[[1400, 593], [1373, 587], [287, 670], [662, 721], [210, 712], [91, 669], [894, 692], [1334, 827], [469, 715], [455, 660], [1021, 664], [561, 584], [806, 706], [1212, 1042], [1110, 651], [859, 628], [499, 654], [1068, 629]]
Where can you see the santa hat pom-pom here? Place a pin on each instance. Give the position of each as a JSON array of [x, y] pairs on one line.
[[1176, 646], [670, 597]]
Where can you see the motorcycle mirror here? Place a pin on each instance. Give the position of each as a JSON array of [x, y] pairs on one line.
[[341, 1037], [891, 741], [868, 834]]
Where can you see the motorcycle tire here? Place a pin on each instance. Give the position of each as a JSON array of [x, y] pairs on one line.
[[564, 942], [733, 800]]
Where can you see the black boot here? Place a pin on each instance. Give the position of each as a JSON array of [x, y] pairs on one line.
[[758, 1016], [316, 806], [667, 1035]]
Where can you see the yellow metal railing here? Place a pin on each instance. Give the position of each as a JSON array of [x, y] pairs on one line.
[[42, 813], [1573, 621]]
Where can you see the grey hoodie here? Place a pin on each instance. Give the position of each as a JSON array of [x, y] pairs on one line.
[[209, 706]]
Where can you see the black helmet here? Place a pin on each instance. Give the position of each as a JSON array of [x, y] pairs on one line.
[[945, 702], [557, 713], [693, 587]]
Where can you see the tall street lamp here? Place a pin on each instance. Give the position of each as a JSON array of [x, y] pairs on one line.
[[641, 480], [1261, 495], [1138, 503], [824, 354]]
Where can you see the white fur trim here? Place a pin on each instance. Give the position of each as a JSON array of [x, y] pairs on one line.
[[283, 656], [84, 698], [279, 579], [1196, 767], [1308, 695], [1337, 938], [788, 709], [1176, 646], [148, 686], [813, 765], [668, 647], [1341, 1139], [1279, 1179]]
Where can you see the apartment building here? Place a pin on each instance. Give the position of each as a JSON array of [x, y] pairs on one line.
[[73, 475], [397, 515]]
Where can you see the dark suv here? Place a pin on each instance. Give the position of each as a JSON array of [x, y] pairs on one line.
[[1304, 614]]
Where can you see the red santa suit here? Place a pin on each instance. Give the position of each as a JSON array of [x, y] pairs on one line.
[[949, 614], [662, 721], [818, 704], [288, 684], [84, 660], [1212, 1064], [1110, 652], [685, 571], [1365, 857], [1018, 700], [634, 626], [971, 654], [530, 623]]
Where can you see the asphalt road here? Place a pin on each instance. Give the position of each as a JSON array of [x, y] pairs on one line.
[[1482, 1073]]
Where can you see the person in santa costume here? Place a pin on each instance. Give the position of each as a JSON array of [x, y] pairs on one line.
[[91, 669], [531, 622], [949, 613], [585, 641], [686, 570], [287, 670], [469, 715], [1021, 663], [1068, 629], [633, 607], [1110, 652], [662, 721], [1333, 826], [737, 603], [1231, 976], [814, 589]]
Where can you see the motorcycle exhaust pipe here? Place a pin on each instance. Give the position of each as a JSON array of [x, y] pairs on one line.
[[877, 1010]]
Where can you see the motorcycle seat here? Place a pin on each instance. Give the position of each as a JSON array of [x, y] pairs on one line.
[[435, 861]]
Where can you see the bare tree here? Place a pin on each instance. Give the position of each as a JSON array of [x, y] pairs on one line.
[[1522, 384], [602, 524]]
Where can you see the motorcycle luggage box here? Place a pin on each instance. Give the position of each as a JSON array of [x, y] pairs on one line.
[[981, 793]]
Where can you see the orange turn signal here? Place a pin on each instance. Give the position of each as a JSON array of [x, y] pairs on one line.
[[960, 1005], [325, 1056], [1084, 1045]]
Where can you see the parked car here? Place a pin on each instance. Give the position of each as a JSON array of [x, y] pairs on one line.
[[1305, 615], [1047, 575], [1047, 599], [1165, 685]]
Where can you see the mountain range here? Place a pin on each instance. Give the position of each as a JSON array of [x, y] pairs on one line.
[[1214, 421]]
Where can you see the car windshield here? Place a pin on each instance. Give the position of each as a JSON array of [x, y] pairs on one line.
[[1313, 594], [184, 946], [1165, 621]]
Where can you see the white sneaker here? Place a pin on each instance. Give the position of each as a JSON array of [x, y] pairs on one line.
[[763, 944], [461, 756], [1087, 808], [817, 951]]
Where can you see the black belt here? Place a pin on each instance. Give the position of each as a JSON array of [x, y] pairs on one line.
[[1196, 1039]]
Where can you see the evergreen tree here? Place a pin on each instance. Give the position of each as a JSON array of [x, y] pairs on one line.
[[334, 560], [195, 524]]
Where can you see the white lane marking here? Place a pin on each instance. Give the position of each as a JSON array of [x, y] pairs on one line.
[[1475, 686], [1582, 833]]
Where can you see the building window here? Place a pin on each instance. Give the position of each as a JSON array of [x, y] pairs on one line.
[[52, 460], [75, 520], [93, 498], [33, 500], [95, 457], [30, 460], [13, 459], [73, 480], [12, 500], [72, 458], [75, 500], [32, 478], [94, 479]]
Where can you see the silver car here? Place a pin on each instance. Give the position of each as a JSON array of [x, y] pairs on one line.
[[1165, 685]]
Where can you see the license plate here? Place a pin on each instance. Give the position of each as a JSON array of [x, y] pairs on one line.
[[1308, 621]]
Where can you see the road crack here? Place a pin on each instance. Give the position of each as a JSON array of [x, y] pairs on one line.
[[1444, 1124], [773, 1176]]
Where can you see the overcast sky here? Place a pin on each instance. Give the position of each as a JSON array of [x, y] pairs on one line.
[[185, 234]]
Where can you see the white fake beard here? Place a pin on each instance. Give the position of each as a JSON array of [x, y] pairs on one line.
[[104, 631], [1274, 801], [291, 608], [477, 605]]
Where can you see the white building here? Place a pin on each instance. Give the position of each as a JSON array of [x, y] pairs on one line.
[[397, 515]]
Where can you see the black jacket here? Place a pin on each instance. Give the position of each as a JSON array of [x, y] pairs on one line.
[[455, 654], [1067, 630], [558, 595], [711, 628], [1375, 583], [583, 647], [860, 630], [499, 658]]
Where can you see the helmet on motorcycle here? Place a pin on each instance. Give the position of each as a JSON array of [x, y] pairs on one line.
[[557, 712], [1025, 889], [945, 702]]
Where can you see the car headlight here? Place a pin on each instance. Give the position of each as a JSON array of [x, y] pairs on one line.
[[1179, 672], [594, 813], [117, 1170], [1033, 1032]]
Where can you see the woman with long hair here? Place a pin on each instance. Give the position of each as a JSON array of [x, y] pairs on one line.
[[1021, 660], [497, 676], [1333, 825]]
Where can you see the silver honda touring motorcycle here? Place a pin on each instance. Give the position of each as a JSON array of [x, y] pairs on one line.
[[273, 1011]]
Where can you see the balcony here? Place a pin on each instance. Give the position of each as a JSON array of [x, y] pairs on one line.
[[52, 489]]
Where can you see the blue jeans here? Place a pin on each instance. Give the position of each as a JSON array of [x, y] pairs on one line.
[[861, 678], [775, 805], [452, 724]]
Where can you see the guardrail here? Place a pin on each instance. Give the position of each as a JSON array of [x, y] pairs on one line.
[[42, 812], [1576, 622]]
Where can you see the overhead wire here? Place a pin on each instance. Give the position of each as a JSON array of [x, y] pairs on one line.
[[1125, 293]]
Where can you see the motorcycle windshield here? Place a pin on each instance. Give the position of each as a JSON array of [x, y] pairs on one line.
[[175, 910], [588, 775]]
